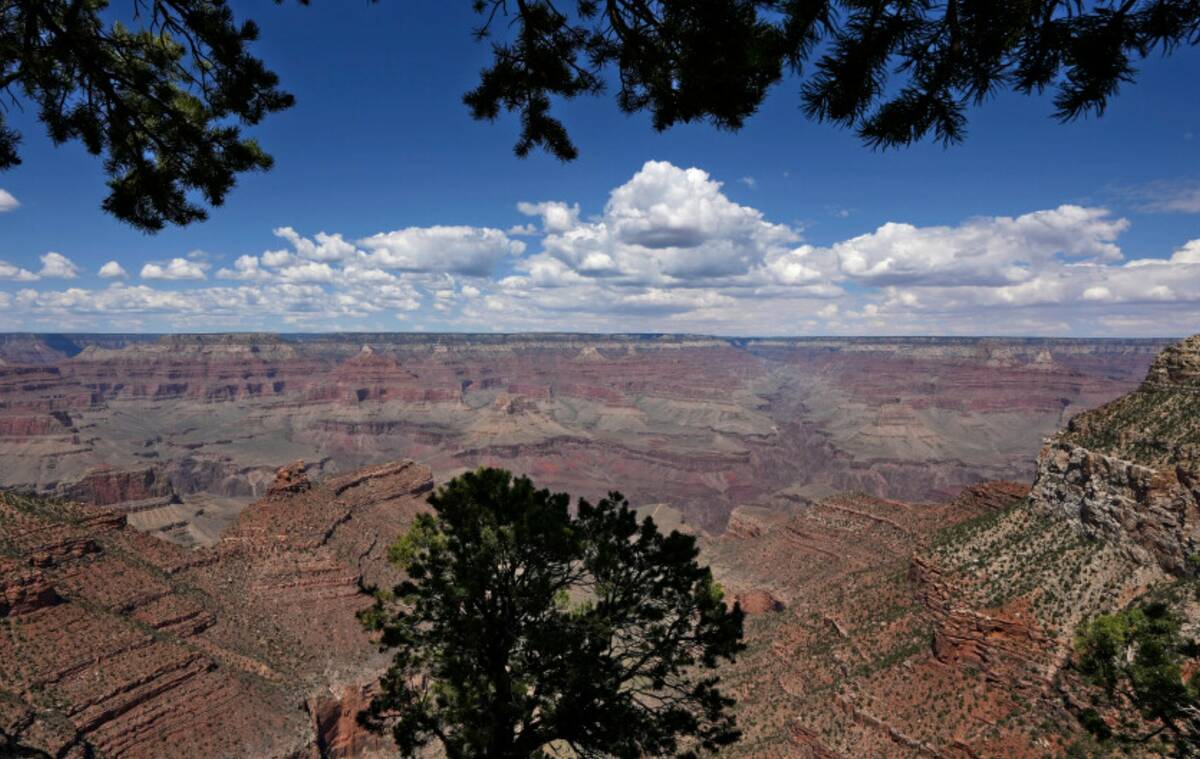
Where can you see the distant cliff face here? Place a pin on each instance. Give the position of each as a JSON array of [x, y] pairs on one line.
[[1130, 469], [702, 423]]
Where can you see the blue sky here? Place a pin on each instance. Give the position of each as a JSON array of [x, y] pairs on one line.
[[787, 227]]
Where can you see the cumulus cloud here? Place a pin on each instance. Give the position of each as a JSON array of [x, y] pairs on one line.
[[58, 266], [324, 247], [668, 251], [670, 248], [475, 251], [176, 268], [245, 268], [1188, 254], [994, 251], [113, 270], [7, 201], [309, 271], [665, 226], [556, 216], [16, 273]]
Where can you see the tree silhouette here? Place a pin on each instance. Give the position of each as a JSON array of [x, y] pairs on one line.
[[164, 96], [523, 626], [161, 103]]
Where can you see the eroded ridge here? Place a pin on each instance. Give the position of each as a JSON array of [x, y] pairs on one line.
[[118, 644]]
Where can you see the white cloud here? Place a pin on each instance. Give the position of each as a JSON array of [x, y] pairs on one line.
[[8, 202], [665, 226], [472, 251], [750, 182], [1165, 196], [276, 258], [556, 216], [176, 268], [16, 273], [669, 251], [309, 271], [1188, 254], [113, 270], [992, 251], [58, 266], [323, 247], [364, 275], [475, 251], [245, 268]]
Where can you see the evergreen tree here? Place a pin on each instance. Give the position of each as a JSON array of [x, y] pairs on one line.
[[1136, 658], [896, 71], [161, 101], [523, 626]]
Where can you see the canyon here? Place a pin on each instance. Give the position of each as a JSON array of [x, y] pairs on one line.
[[947, 630], [915, 528], [183, 431]]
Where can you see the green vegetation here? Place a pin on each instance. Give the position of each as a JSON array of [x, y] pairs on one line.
[[1144, 426], [1017, 552], [1136, 660], [524, 627]]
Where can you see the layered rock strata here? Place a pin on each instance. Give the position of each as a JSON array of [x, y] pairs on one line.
[[116, 644], [1130, 470], [707, 424]]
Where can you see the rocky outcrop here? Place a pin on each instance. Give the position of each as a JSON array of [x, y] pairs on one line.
[[335, 722], [105, 486], [1010, 648], [1129, 471], [127, 646], [758, 601], [880, 649], [290, 480], [1178, 366], [22, 592], [1153, 512]]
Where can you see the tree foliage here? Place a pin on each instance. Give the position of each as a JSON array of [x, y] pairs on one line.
[[524, 626], [163, 95], [896, 71], [1136, 658]]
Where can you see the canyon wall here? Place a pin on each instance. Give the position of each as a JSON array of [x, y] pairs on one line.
[[877, 627], [706, 424], [117, 644], [1129, 471], [947, 630]]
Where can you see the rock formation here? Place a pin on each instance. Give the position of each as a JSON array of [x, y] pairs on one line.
[[117, 644], [707, 424], [879, 627], [946, 630], [1130, 470]]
